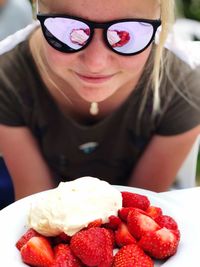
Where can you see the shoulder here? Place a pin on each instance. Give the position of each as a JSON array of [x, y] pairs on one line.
[[12, 62], [185, 50], [182, 65], [178, 67]]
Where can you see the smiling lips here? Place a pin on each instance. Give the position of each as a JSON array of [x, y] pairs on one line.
[[94, 78]]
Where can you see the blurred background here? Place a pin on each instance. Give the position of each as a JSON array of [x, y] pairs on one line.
[[189, 9]]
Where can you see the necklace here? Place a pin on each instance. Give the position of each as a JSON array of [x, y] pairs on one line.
[[94, 108]]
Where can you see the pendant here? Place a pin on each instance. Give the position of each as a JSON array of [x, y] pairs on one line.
[[94, 109]]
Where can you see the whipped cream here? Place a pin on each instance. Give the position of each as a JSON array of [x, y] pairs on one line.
[[73, 205]]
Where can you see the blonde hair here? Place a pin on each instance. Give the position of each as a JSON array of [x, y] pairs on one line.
[[167, 18]]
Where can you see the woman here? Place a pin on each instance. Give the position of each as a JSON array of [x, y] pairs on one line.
[[86, 94]]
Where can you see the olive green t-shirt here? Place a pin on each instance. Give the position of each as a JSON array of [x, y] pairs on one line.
[[110, 148]]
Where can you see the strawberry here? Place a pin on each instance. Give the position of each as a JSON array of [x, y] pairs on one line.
[[111, 236], [124, 38], [37, 252], [25, 238], [132, 256], [123, 212], [123, 236], [93, 247], [135, 200], [95, 223], [166, 221], [139, 223], [153, 211], [64, 257], [160, 244], [113, 223]]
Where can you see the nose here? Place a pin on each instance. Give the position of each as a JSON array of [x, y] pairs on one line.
[[96, 56]]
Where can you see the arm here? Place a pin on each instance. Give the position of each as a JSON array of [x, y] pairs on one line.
[[29, 171], [158, 166]]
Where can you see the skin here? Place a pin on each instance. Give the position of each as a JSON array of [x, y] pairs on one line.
[[94, 74]]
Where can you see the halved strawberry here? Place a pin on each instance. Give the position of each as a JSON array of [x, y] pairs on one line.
[[123, 212], [37, 252], [154, 211], [160, 244], [123, 236], [138, 224], [130, 199], [25, 238], [113, 223], [93, 247], [130, 256], [64, 257], [166, 221], [124, 38]]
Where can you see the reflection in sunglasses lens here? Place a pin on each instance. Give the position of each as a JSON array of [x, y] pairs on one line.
[[79, 36]]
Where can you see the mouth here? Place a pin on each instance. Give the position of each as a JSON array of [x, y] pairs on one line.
[[94, 78]]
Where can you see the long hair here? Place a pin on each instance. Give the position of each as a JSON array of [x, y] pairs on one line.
[[167, 18]]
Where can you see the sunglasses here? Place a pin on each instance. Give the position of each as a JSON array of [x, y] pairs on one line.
[[69, 34]]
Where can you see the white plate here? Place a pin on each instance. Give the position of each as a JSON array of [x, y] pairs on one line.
[[13, 225]]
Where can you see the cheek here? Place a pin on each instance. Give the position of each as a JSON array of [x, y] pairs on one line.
[[135, 63], [57, 60]]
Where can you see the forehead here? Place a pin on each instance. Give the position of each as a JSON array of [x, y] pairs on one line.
[[100, 10]]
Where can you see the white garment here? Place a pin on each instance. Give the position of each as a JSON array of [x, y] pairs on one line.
[[15, 15]]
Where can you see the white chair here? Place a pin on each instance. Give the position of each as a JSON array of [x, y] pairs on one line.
[[186, 176]]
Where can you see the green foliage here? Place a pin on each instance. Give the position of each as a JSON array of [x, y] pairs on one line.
[[198, 170], [191, 9]]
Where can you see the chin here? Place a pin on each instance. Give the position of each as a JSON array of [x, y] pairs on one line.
[[95, 94]]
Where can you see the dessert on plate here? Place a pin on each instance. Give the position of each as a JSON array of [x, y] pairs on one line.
[[88, 222]]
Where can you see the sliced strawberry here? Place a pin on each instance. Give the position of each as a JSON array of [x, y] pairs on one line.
[[25, 238], [93, 247], [138, 224], [135, 200], [64, 257], [123, 236], [160, 244], [124, 38], [130, 256], [95, 223], [167, 221], [123, 212], [37, 252], [154, 211], [113, 223]]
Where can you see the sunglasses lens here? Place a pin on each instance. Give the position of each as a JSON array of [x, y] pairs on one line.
[[129, 37], [66, 34]]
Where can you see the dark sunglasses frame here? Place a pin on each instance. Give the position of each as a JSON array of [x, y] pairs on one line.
[[92, 25]]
